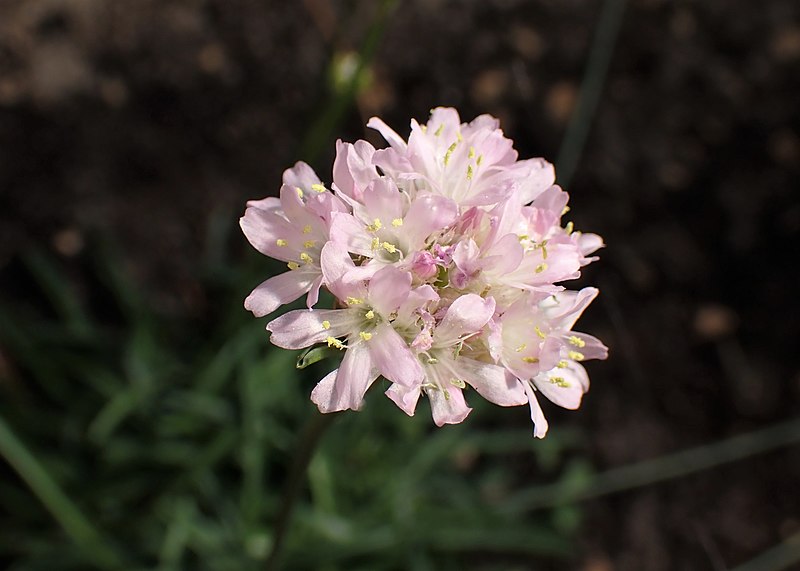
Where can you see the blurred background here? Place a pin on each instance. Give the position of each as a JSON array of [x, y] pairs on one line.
[[146, 423]]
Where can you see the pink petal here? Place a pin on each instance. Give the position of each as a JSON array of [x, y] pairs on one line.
[[383, 200], [336, 263], [536, 176], [405, 398], [567, 392], [466, 316], [426, 215], [448, 405], [349, 232], [388, 289], [491, 382], [540, 425], [345, 388], [278, 290], [395, 140], [301, 175], [305, 327], [263, 229], [393, 358], [353, 168]]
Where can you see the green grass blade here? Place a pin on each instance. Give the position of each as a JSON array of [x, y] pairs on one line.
[[55, 500]]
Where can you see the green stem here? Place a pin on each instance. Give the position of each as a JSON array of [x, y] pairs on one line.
[[309, 439], [65, 512], [658, 469], [591, 88]]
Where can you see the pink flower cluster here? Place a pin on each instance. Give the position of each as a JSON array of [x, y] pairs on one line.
[[443, 253]]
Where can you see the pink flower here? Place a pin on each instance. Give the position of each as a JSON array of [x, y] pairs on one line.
[[372, 346], [447, 258]]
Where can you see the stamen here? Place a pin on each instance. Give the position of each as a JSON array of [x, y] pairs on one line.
[[576, 356], [561, 365], [391, 248], [540, 268], [449, 152], [577, 341], [530, 359], [521, 348], [539, 332], [334, 342], [376, 243], [471, 154], [458, 383], [299, 191], [469, 172], [439, 130], [281, 242], [479, 160], [560, 381], [307, 229], [318, 187], [305, 258], [432, 360], [566, 209], [569, 227], [354, 301], [326, 324], [370, 314], [309, 243], [397, 222], [366, 336], [293, 265]]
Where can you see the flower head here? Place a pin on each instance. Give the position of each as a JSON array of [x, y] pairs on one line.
[[446, 255]]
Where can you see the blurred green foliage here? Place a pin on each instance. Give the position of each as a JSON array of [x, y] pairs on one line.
[[139, 441]]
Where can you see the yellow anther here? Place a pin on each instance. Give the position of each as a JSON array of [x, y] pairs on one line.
[[375, 226], [370, 314], [424, 128], [446, 394], [540, 268], [397, 222], [566, 209], [293, 265], [354, 301], [281, 242], [560, 381], [539, 332], [561, 364], [326, 324], [577, 341], [469, 172], [366, 336], [576, 356], [376, 243], [449, 152], [471, 152], [459, 137], [318, 187], [299, 191], [305, 257], [391, 248], [439, 130], [309, 243], [530, 359], [334, 342], [479, 160], [307, 229], [432, 360], [569, 228], [458, 383], [521, 348]]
